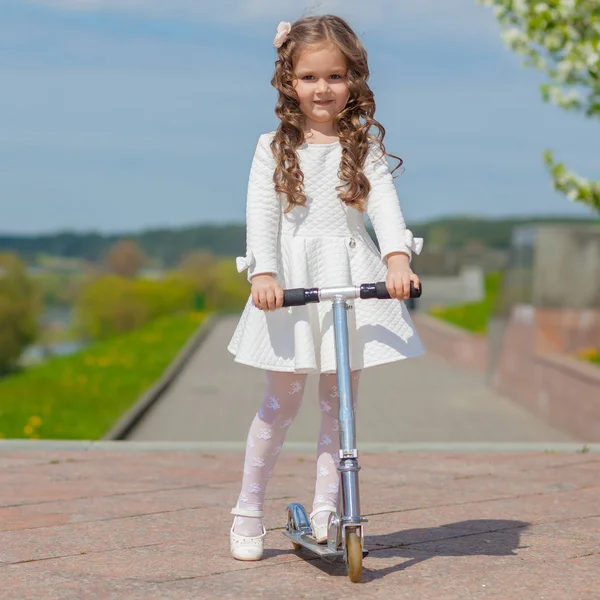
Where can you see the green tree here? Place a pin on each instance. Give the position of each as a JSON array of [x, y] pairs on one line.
[[19, 309], [230, 291], [126, 258], [201, 267], [562, 38], [111, 305]]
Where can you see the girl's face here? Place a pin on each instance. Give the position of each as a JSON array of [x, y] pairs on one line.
[[321, 75]]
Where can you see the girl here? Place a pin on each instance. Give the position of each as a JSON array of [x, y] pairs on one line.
[[311, 181]]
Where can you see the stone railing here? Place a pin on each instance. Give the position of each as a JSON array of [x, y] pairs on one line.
[[460, 347], [537, 367], [535, 363]]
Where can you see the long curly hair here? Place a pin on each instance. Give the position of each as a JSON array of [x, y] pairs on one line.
[[352, 124]]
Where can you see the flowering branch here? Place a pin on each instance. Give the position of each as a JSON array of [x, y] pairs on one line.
[[561, 38]]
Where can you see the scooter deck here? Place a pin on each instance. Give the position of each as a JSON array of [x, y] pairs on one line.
[[309, 542]]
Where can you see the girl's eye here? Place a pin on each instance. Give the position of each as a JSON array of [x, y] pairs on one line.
[[335, 75]]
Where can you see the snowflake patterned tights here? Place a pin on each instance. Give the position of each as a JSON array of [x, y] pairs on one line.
[[282, 401]]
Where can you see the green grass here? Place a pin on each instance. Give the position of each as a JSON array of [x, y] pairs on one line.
[[472, 316], [590, 354], [80, 397]]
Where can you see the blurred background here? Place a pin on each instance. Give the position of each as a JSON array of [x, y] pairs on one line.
[[127, 134]]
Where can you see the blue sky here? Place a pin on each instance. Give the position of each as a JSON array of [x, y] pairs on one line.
[[122, 115]]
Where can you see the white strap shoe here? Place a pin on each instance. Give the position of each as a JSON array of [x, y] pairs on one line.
[[319, 531], [246, 547]]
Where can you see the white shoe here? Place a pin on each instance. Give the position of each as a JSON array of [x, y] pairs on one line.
[[246, 547], [319, 531]]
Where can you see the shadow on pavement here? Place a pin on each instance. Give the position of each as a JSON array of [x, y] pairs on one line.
[[491, 537]]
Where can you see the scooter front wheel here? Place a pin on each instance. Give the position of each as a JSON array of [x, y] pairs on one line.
[[354, 554]]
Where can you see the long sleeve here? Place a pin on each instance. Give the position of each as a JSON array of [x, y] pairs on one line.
[[262, 214], [383, 208]]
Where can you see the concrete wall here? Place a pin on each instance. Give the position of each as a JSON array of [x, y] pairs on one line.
[[537, 367], [561, 262], [456, 345]]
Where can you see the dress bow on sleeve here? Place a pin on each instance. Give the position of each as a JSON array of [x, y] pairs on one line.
[[245, 262], [415, 244]]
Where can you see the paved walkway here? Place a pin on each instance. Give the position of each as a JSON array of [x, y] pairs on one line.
[[419, 400], [122, 524]]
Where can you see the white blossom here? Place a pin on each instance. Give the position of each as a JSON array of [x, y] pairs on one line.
[[550, 37]]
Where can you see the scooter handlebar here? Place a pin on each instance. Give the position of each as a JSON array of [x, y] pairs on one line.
[[379, 290], [296, 297], [302, 296]]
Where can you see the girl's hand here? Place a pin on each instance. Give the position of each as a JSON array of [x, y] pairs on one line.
[[399, 276], [267, 294]]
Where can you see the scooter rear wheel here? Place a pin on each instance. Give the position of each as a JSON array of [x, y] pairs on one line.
[[292, 525], [354, 554]]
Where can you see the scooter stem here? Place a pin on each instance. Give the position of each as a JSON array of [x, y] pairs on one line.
[[348, 454]]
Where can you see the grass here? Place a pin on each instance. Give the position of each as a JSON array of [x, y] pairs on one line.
[[472, 316], [590, 354], [79, 397]]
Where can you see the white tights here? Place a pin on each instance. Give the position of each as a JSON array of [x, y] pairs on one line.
[[282, 401]]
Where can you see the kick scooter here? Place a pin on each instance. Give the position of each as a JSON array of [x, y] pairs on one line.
[[344, 528]]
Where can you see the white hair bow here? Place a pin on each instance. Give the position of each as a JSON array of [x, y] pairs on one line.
[[283, 30]]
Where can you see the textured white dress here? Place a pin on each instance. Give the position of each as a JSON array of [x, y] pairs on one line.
[[322, 244]]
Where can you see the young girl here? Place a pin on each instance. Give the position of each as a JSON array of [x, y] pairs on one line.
[[311, 181]]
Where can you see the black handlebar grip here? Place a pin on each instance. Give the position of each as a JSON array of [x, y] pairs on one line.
[[294, 297], [300, 296], [382, 293]]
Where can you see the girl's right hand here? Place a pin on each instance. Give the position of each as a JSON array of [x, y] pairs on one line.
[[267, 294]]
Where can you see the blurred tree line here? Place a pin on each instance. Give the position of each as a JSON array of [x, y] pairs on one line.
[[167, 246], [111, 297], [19, 307], [170, 246]]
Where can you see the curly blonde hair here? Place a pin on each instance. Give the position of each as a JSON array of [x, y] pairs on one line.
[[352, 124]]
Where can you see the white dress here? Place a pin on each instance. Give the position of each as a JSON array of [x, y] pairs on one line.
[[322, 244]]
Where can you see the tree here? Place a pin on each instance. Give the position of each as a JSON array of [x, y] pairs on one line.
[[19, 309], [200, 266], [112, 305], [562, 38], [222, 288], [125, 258]]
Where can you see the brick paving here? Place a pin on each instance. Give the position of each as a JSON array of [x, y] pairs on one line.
[[119, 523]]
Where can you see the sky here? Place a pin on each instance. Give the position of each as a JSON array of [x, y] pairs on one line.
[[125, 115]]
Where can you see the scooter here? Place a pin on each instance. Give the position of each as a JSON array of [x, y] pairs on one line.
[[345, 537]]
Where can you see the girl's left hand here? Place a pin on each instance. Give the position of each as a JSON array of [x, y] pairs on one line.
[[399, 276]]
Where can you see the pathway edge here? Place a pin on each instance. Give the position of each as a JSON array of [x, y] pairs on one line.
[[128, 421]]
